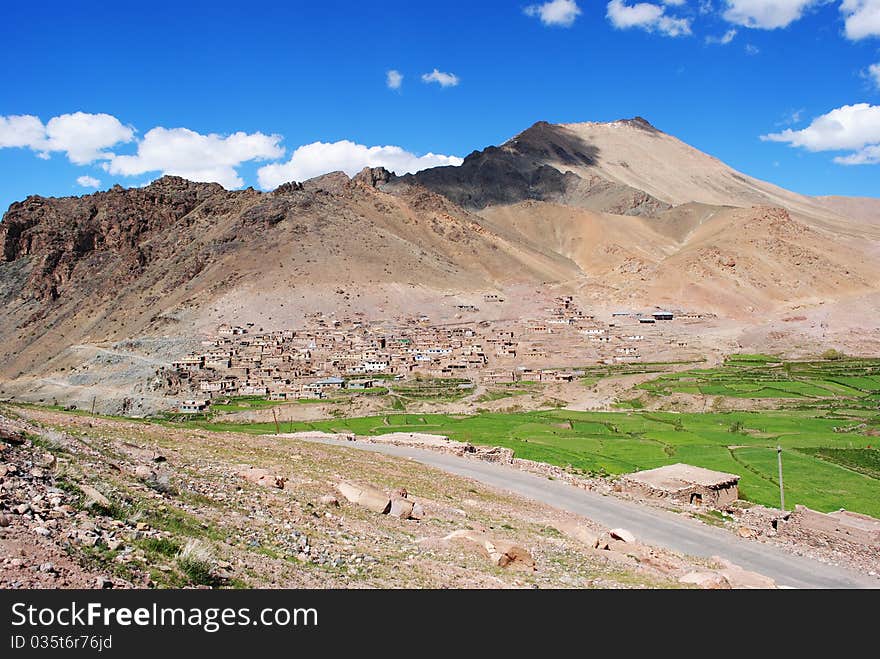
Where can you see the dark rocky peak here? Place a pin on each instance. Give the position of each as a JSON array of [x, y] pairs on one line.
[[544, 142], [334, 182], [373, 177], [641, 123]]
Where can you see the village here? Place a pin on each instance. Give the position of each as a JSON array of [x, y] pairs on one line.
[[352, 353]]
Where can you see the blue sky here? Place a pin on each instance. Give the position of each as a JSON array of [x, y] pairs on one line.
[[292, 74]]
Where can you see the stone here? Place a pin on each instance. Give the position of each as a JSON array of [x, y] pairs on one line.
[[47, 567], [706, 580], [622, 535], [328, 500], [103, 583], [93, 497], [262, 477], [369, 497], [4, 520], [746, 532], [144, 473], [22, 509], [114, 545], [418, 511], [43, 531], [740, 578], [401, 507], [498, 552], [37, 472], [46, 461]]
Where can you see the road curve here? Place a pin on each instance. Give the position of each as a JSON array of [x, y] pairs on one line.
[[650, 525]]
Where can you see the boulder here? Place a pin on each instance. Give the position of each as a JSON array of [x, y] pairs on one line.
[[262, 477], [401, 508], [144, 473], [622, 535], [498, 552], [93, 497], [740, 578], [328, 500], [371, 498], [706, 580], [746, 532], [46, 461]]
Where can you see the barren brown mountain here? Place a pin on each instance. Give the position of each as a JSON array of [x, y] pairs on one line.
[[100, 290]]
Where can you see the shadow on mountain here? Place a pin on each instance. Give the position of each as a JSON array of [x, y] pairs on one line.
[[510, 173]]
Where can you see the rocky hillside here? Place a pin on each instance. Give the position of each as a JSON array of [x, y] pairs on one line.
[[534, 165], [617, 214]]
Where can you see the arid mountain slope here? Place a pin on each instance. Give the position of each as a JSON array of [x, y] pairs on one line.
[[155, 260], [616, 214]]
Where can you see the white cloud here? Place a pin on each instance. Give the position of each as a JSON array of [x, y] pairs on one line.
[[752, 49], [648, 17], [441, 78], [22, 130], [561, 13], [197, 157], [88, 181], [724, 39], [318, 158], [83, 137], [849, 128], [862, 18], [394, 79], [767, 14], [873, 73]]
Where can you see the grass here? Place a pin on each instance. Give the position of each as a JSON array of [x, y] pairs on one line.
[[763, 376], [615, 442]]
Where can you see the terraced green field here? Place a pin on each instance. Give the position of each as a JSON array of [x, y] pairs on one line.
[[828, 425], [610, 442], [762, 376]]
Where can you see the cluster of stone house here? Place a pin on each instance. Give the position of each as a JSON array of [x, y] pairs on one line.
[[352, 353]]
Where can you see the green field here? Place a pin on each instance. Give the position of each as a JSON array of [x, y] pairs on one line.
[[613, 442], [762, 376]]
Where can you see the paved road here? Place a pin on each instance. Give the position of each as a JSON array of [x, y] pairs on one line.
[[651, 525]]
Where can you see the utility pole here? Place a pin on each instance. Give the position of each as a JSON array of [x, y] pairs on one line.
[[278, 429], [781, 486]]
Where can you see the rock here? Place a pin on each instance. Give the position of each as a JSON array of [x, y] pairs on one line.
[[4, 520], [418, 511], [46, 461], [144, 473], [622, 535], [367, 496], [103, 583], [93, 497], [706, 580], [37, 472], [577, 531], [401, 507], [499, 552], [740, 578], [47, 567], [746, 532], [262, 477], [114, 545], [142, 526], [43, 531], [22, 509], [603, 542], [328, 500]]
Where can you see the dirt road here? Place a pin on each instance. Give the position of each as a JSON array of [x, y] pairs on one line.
[[650, 525]]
